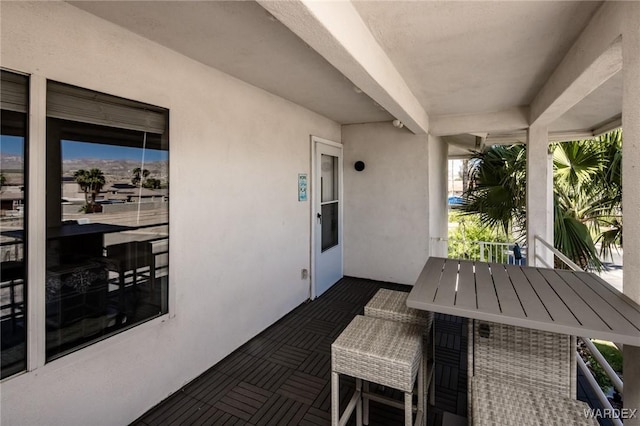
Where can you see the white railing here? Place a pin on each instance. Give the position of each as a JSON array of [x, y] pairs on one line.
[[591, 348], [499, 252], [556, 252], [596, 387], [491, 252]]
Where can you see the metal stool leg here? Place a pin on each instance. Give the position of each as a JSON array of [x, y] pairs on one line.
[[421, 414], [408, 408], [335, 398], [365, 397], [359, 403]]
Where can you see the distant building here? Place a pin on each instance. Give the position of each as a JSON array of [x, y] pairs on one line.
[[120, 192], [11, 200], [131, 193]]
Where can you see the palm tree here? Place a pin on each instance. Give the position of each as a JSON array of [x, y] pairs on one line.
[[587, 193], [138, 175], [608, 214], [91, 182], [497, 187], [589, 180]]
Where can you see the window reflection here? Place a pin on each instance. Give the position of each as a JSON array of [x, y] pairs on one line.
[[12, 212], [107, 220]]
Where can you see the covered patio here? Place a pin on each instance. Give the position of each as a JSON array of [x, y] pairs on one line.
[[282, 376], [303, 141]]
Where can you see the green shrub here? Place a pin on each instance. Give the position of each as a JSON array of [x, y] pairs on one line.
[[613, 357], [462, 237]]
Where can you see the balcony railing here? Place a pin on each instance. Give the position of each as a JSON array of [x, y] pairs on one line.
[[491, 252]]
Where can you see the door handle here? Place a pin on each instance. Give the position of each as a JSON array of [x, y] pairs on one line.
[[319, 217]]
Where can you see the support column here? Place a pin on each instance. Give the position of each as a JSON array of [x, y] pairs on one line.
[[539, 196], [437, 150], [630, 193]]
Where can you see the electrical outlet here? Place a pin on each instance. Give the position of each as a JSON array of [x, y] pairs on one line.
[[305, 274]]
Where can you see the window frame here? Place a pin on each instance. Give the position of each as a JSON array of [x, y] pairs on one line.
[[35, 243]]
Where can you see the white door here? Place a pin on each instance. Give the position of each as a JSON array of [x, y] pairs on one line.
[[326, 214]]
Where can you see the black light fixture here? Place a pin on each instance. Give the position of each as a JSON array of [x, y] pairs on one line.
[[359, 166]]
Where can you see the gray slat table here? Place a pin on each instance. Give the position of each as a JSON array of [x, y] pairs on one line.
[[567, 302]]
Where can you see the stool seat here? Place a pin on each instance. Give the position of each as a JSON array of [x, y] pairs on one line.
[[381, 351], [392, 305]]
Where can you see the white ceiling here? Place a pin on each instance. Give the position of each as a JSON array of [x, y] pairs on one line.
[[456, 57], [240, 38], [468, 57]]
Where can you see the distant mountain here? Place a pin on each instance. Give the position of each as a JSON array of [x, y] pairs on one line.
[[11, 162], [116, 170]]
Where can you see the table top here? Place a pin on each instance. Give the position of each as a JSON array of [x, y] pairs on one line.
[[71, 230], [568, 302]]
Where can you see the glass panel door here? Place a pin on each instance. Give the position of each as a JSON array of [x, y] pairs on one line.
[[329, 202], [327, 215]]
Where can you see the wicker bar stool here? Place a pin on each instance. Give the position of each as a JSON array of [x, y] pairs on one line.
[[392, 305], [539, 363], [380, 351], [500, 403]]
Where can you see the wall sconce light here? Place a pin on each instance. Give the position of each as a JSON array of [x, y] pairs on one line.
[[359, 166], [397, 123]]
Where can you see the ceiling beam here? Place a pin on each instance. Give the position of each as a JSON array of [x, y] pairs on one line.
[[594, 58], [521, 137], [337, 32], [501, 121]]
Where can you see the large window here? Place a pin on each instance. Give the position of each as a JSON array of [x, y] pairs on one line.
[[13, 99], [107, 207]]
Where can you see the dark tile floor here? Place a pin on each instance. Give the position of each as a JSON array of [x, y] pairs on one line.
[[282, 376]]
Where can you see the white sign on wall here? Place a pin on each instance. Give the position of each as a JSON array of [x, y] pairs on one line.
[[302, 187]]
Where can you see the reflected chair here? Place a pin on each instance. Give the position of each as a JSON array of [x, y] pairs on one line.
[[131, 260], [12, 277]]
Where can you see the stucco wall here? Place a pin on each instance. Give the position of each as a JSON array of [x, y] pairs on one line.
[[386, 208], [238, 235]]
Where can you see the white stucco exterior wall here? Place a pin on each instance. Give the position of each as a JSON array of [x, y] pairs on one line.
[[238, 236], [630, 193], [438, 211], [386, 217]]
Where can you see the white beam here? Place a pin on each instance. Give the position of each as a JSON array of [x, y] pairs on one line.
[[594, 58], [607, 127], [521, 137], [337, 32], [500, 121]]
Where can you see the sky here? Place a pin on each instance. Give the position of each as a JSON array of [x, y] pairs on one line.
[[11, 145], [71, 150]]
